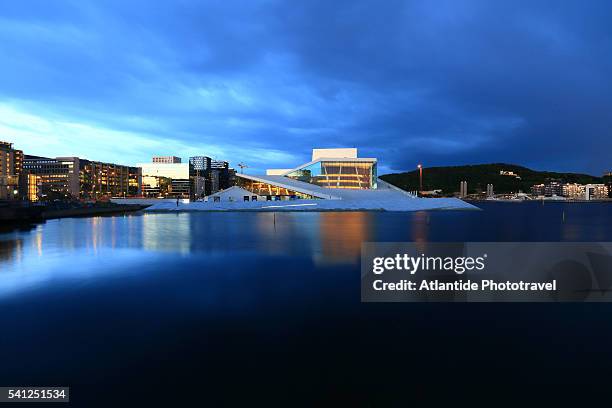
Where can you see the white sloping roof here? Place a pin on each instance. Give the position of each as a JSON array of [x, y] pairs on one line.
[[327, 193], [383, 185], [295, 185]]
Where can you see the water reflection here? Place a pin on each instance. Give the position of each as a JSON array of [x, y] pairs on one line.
[[328, 237], [166, 232], [86, 248], [10, 249], [341, 235], [420, 226], [320, 237]]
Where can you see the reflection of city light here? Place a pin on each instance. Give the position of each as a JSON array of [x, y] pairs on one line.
[[341, 235], [420, 228], [39, 243], [162, 233], [10, 250]]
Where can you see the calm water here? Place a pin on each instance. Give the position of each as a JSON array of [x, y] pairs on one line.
[[232, 305]]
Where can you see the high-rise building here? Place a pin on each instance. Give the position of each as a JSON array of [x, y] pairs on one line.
[[11, 168], [220, 176], [209, 176], [73, 177], [198, 186], [166, 159], [199, 173], [490, 192], [214, 181], [219, 164], [200, 164]]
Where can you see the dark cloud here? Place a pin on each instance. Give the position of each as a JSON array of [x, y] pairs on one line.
[[444, 82]]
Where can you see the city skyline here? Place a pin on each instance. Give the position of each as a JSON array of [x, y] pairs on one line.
[[233, 164], [408, 82]]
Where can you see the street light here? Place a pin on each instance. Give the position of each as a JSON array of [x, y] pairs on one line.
[[420, 167]]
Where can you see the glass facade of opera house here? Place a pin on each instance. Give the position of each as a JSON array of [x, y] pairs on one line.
[[336, 168], [354, 174], [269, 190]]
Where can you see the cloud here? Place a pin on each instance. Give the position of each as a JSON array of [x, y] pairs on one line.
[[263, 82]]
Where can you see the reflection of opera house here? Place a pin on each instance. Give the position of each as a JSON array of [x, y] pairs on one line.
[[335, 180]]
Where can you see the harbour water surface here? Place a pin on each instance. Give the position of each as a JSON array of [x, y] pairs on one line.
[[218, 306]]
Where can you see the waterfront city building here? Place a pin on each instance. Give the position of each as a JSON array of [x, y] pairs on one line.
[[537, 190], [155, 186], [199, 173], [334, 180], [573, 191], [329, 171], [553, 188], [222, 177], [490, 192], [595, 191], [167, 159], [73, 177], [11, 167], [334, 169], [608, 180], [162, 179], [219, 164], [209, 175], [200, 164]]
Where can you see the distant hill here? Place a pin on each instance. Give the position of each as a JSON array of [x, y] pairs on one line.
[[479, 175]]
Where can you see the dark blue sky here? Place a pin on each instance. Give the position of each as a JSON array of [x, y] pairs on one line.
[[442, 82]]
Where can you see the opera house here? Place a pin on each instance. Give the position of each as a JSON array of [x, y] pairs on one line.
[[329, 171], [334, 180]]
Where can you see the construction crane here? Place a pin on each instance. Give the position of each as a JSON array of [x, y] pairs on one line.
[[242, 167]]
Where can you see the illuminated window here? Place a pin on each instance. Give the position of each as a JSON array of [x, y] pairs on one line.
[[338, 174]]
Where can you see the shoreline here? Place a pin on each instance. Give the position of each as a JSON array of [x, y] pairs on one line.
[[36, 214], [293, 210], [91, 212]]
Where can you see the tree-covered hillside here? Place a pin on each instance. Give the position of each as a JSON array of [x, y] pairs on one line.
[[478, 176]]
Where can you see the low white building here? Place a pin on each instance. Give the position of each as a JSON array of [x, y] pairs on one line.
[[233, 194]]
